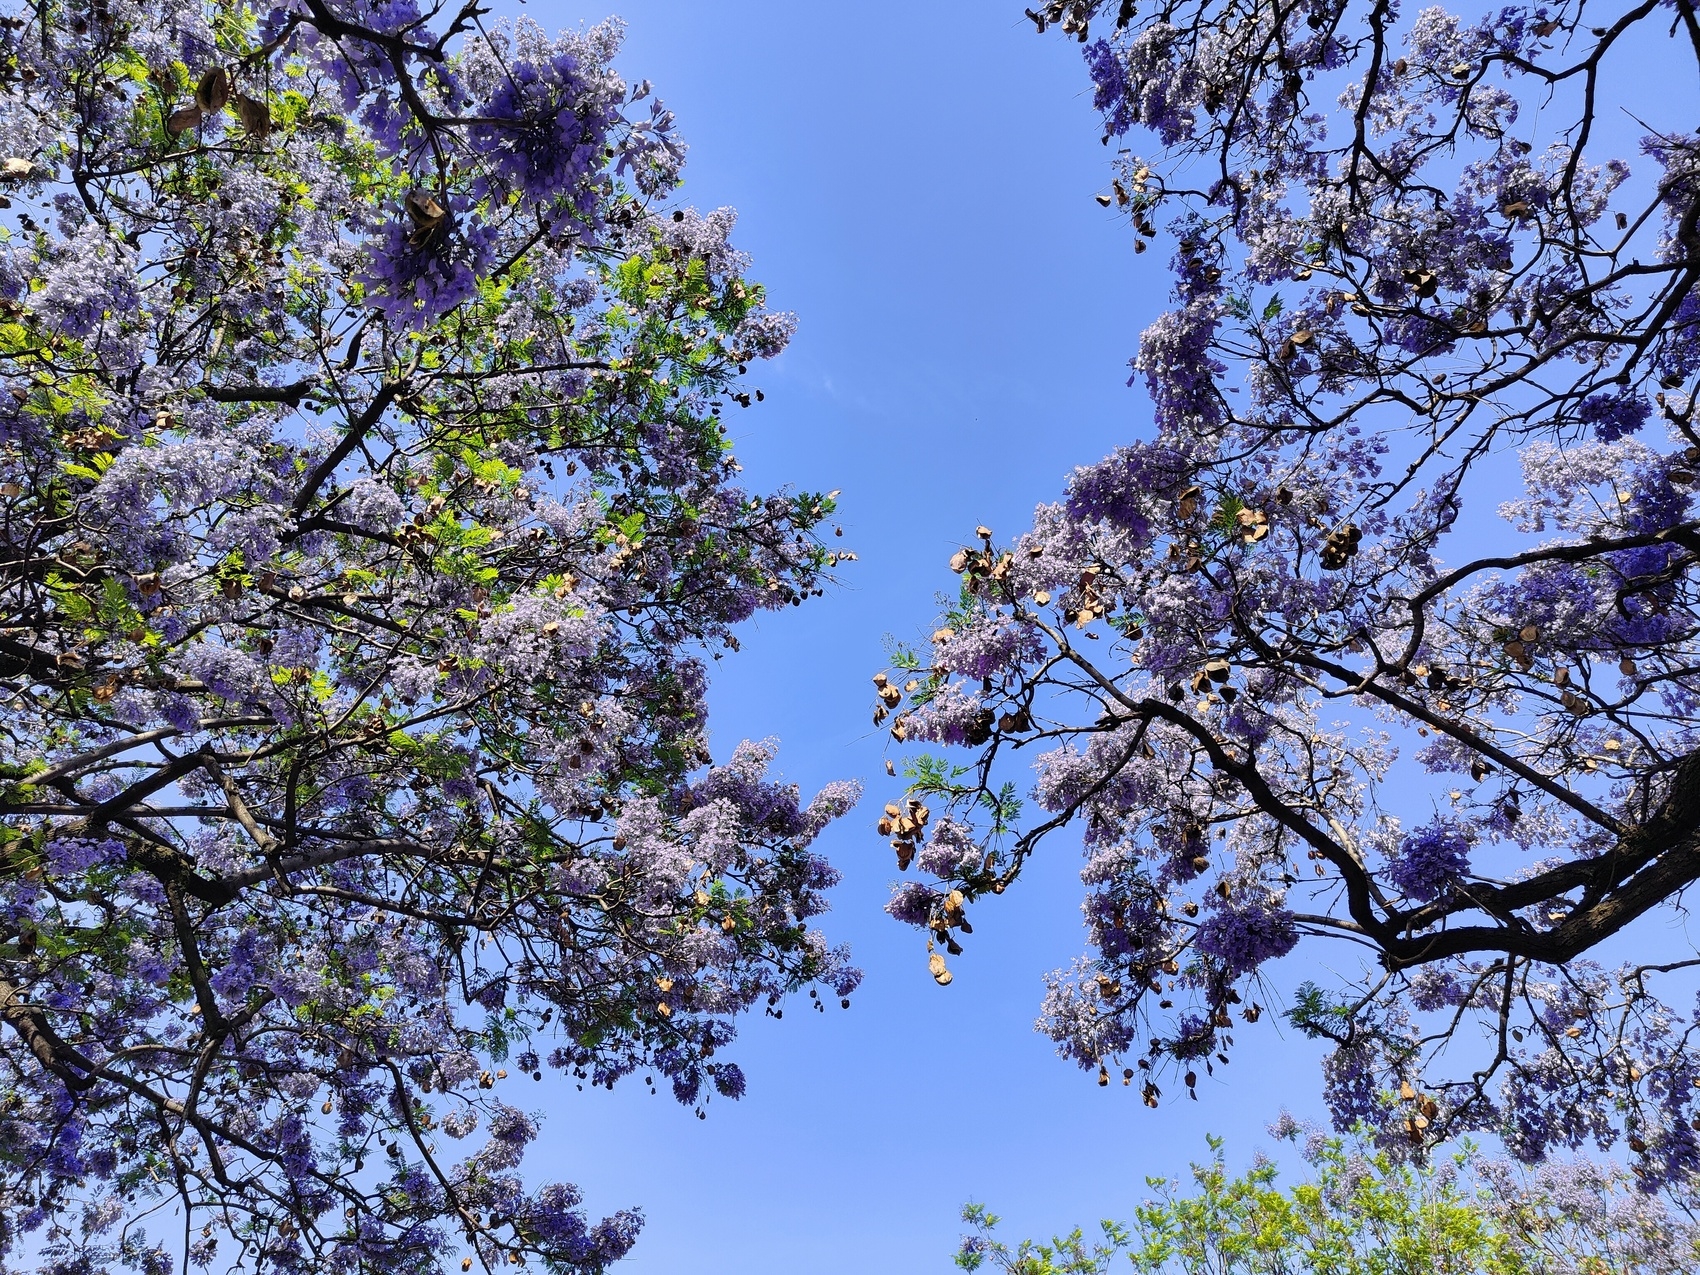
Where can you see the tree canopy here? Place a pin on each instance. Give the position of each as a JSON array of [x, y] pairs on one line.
[[366, 521], [1387, 631], [1363, 1211]]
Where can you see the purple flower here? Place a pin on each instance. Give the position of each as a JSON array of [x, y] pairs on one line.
[[70, 855], [954, 715], [1614, 415], [729, 1080], [1242, 936], [1430, 861], [989, 648], [1109, 79], [90, 281], [420, 270], [950, 851], [543, 131], [1124, 487], [913, 903]]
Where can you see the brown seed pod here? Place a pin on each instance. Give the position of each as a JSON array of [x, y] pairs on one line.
[[255, 116], [428, 217], [182, 120], [213, 92]]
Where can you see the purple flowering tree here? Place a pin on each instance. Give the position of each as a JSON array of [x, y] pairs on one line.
[[368, 520], [1387, 632]]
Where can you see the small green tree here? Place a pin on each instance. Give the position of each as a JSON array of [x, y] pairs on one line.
[[1365, 1213]]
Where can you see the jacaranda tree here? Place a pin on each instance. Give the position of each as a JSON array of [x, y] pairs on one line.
[[1314, 659], [367, 520]]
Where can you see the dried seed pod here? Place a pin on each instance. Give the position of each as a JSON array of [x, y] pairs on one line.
[[213, 91], [1423, 281], [428, 217], [182, 120], [1340, 546], [255, 116]]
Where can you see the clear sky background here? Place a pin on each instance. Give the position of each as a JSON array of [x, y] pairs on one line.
[[916, 181]]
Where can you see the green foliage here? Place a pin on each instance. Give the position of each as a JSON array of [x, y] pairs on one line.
[[1364, 1211], [1064, 1255]]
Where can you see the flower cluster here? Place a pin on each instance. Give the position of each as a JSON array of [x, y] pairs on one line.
[[1431, 861]]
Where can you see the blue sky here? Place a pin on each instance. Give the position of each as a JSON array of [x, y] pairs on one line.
[[916, 182]]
